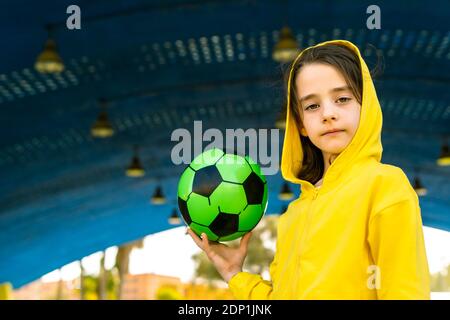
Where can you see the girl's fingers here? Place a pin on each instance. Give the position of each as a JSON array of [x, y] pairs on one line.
[[196, 239], [244, 241], [216, 258], [205, 242]]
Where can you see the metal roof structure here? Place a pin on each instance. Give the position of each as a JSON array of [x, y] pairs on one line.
[[161, 65]]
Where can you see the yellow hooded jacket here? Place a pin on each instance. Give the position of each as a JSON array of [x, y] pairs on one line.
[[358, 236]]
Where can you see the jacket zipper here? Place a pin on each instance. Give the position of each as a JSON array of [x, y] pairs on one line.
[[306, 229], [316, 192]]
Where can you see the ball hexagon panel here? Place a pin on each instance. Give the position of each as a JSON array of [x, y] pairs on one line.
[[225, 224], [185, 183], [234, 236], [199, 229], [200, 211], [247, 218], [255, 168], [235, 201], [233, 168], [254, 189], [206, 158], [182, 204], [206, 180]]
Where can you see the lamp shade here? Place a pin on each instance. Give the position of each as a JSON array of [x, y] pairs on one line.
[[102, 127], [135, 169], [49, 61], [285, 193], [419, 188], [286, 50], [444, 157], [158, 197], [174, 218]]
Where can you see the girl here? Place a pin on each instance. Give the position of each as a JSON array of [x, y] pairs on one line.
[[355, 232]]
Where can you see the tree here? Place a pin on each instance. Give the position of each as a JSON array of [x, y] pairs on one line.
[[60, 287], [259, 256], [102, 278], [123, 261], [82, 276], [447, 278], [440, 281]]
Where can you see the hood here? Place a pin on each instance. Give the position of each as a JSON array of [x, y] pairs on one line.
[[365, 145]]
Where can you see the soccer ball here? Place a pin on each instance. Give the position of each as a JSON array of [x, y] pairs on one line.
[[223, 195]]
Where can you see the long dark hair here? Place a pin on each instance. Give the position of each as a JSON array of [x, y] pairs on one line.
[[347, 62]]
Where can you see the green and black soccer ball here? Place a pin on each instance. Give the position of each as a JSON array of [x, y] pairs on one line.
[[223, 195]]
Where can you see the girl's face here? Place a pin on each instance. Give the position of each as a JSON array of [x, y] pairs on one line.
[[326, 103]]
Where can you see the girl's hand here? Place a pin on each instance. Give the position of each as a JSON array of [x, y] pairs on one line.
[[228, 261]]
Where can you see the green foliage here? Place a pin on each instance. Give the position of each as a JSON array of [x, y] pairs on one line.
[[168, 293], [90, 286], [111, 285], [440, 281], [204, 268]]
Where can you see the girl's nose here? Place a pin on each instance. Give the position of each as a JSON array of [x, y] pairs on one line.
[[329, 112]]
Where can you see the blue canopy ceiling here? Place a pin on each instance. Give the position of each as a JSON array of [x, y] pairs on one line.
[[162, 65]]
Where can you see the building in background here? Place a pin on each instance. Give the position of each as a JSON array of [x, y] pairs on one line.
[[148, 286], [40, 290]]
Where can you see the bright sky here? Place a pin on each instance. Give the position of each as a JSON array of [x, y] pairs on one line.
[[165, 253], [169, 253]]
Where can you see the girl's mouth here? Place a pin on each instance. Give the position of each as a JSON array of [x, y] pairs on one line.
[[333, 133]]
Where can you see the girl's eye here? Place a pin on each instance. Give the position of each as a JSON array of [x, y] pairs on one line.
[[344, 99], [311, 106]]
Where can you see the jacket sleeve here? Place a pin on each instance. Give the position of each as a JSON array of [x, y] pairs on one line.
[[398, 250], [248, 286]]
